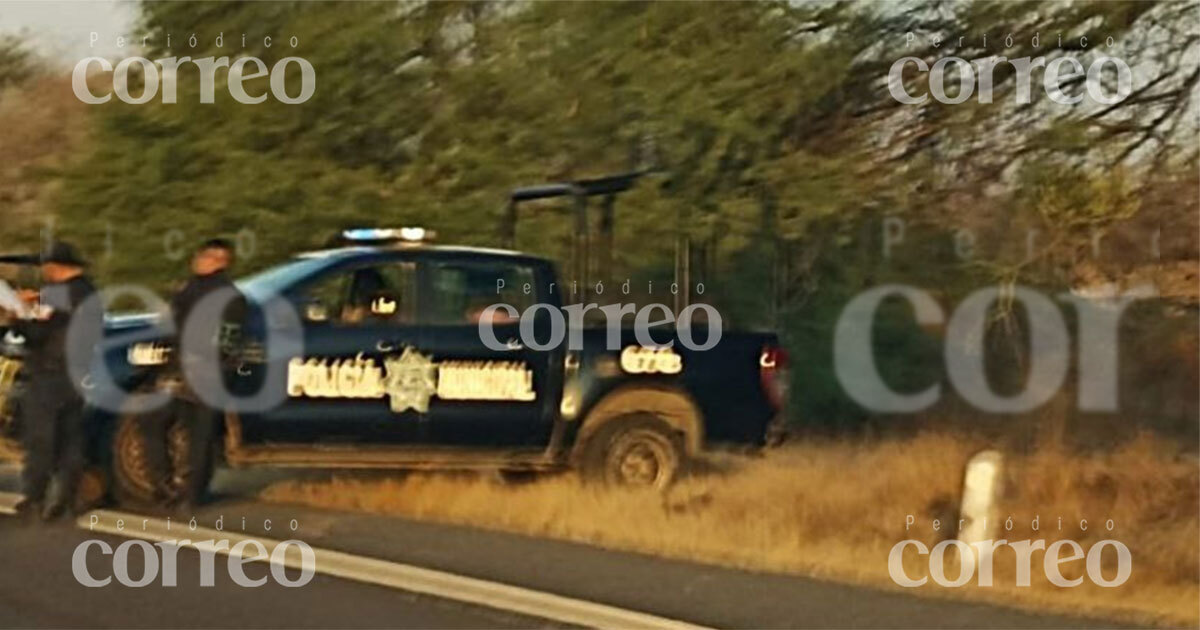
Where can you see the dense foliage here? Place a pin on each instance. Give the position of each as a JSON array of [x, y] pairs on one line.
[[773, 143]]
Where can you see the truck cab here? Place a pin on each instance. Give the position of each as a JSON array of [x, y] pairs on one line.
[[408, 316]]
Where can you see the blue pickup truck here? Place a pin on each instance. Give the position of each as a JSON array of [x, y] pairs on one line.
[[392, 372]]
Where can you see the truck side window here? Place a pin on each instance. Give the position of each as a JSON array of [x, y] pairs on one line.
[[463, 290], [364, 295]]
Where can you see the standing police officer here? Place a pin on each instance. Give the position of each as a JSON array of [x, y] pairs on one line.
[[56, 364], [191, 370]]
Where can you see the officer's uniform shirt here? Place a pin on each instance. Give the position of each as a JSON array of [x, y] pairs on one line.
[[46, 340], [223, 331]]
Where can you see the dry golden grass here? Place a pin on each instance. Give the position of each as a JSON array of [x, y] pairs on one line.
[[834, 509]]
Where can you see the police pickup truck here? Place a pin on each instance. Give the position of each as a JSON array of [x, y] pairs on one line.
[[395, 371]]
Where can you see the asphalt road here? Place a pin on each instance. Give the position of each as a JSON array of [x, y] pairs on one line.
[[38, 589]]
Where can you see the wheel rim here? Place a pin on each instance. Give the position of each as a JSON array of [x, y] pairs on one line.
[[131, 457], [640, 459]]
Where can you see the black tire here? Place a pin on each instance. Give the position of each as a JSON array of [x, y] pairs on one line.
[[132, 483], [636, 450]]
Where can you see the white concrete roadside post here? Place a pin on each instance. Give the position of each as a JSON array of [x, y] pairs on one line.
[[982, 484]]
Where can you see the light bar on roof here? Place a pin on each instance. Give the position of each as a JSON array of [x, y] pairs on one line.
[[413, 234]]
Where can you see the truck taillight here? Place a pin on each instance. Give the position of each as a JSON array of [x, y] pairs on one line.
[[772, 370]]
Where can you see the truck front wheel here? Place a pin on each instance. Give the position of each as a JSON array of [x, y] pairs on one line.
[[637, 450], [133, 482]]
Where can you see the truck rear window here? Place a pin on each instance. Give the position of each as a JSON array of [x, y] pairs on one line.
[[462, 290]]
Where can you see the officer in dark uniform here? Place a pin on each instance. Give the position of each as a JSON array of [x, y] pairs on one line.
[[190, 370], [60, 338]]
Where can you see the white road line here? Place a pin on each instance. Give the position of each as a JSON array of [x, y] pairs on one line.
[[395, 575]]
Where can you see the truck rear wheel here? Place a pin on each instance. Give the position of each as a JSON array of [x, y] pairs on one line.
[[636, 450], [133, 482]]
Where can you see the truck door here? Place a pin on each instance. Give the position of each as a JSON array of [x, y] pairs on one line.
[[356, 321], [487, 397]]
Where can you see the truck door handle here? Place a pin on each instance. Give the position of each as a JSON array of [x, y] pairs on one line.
[[384, 346]]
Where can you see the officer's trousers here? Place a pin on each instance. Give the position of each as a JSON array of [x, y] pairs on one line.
[[53, 436], [199, 422]]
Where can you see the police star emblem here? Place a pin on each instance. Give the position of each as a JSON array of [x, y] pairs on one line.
[[411, 381]]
